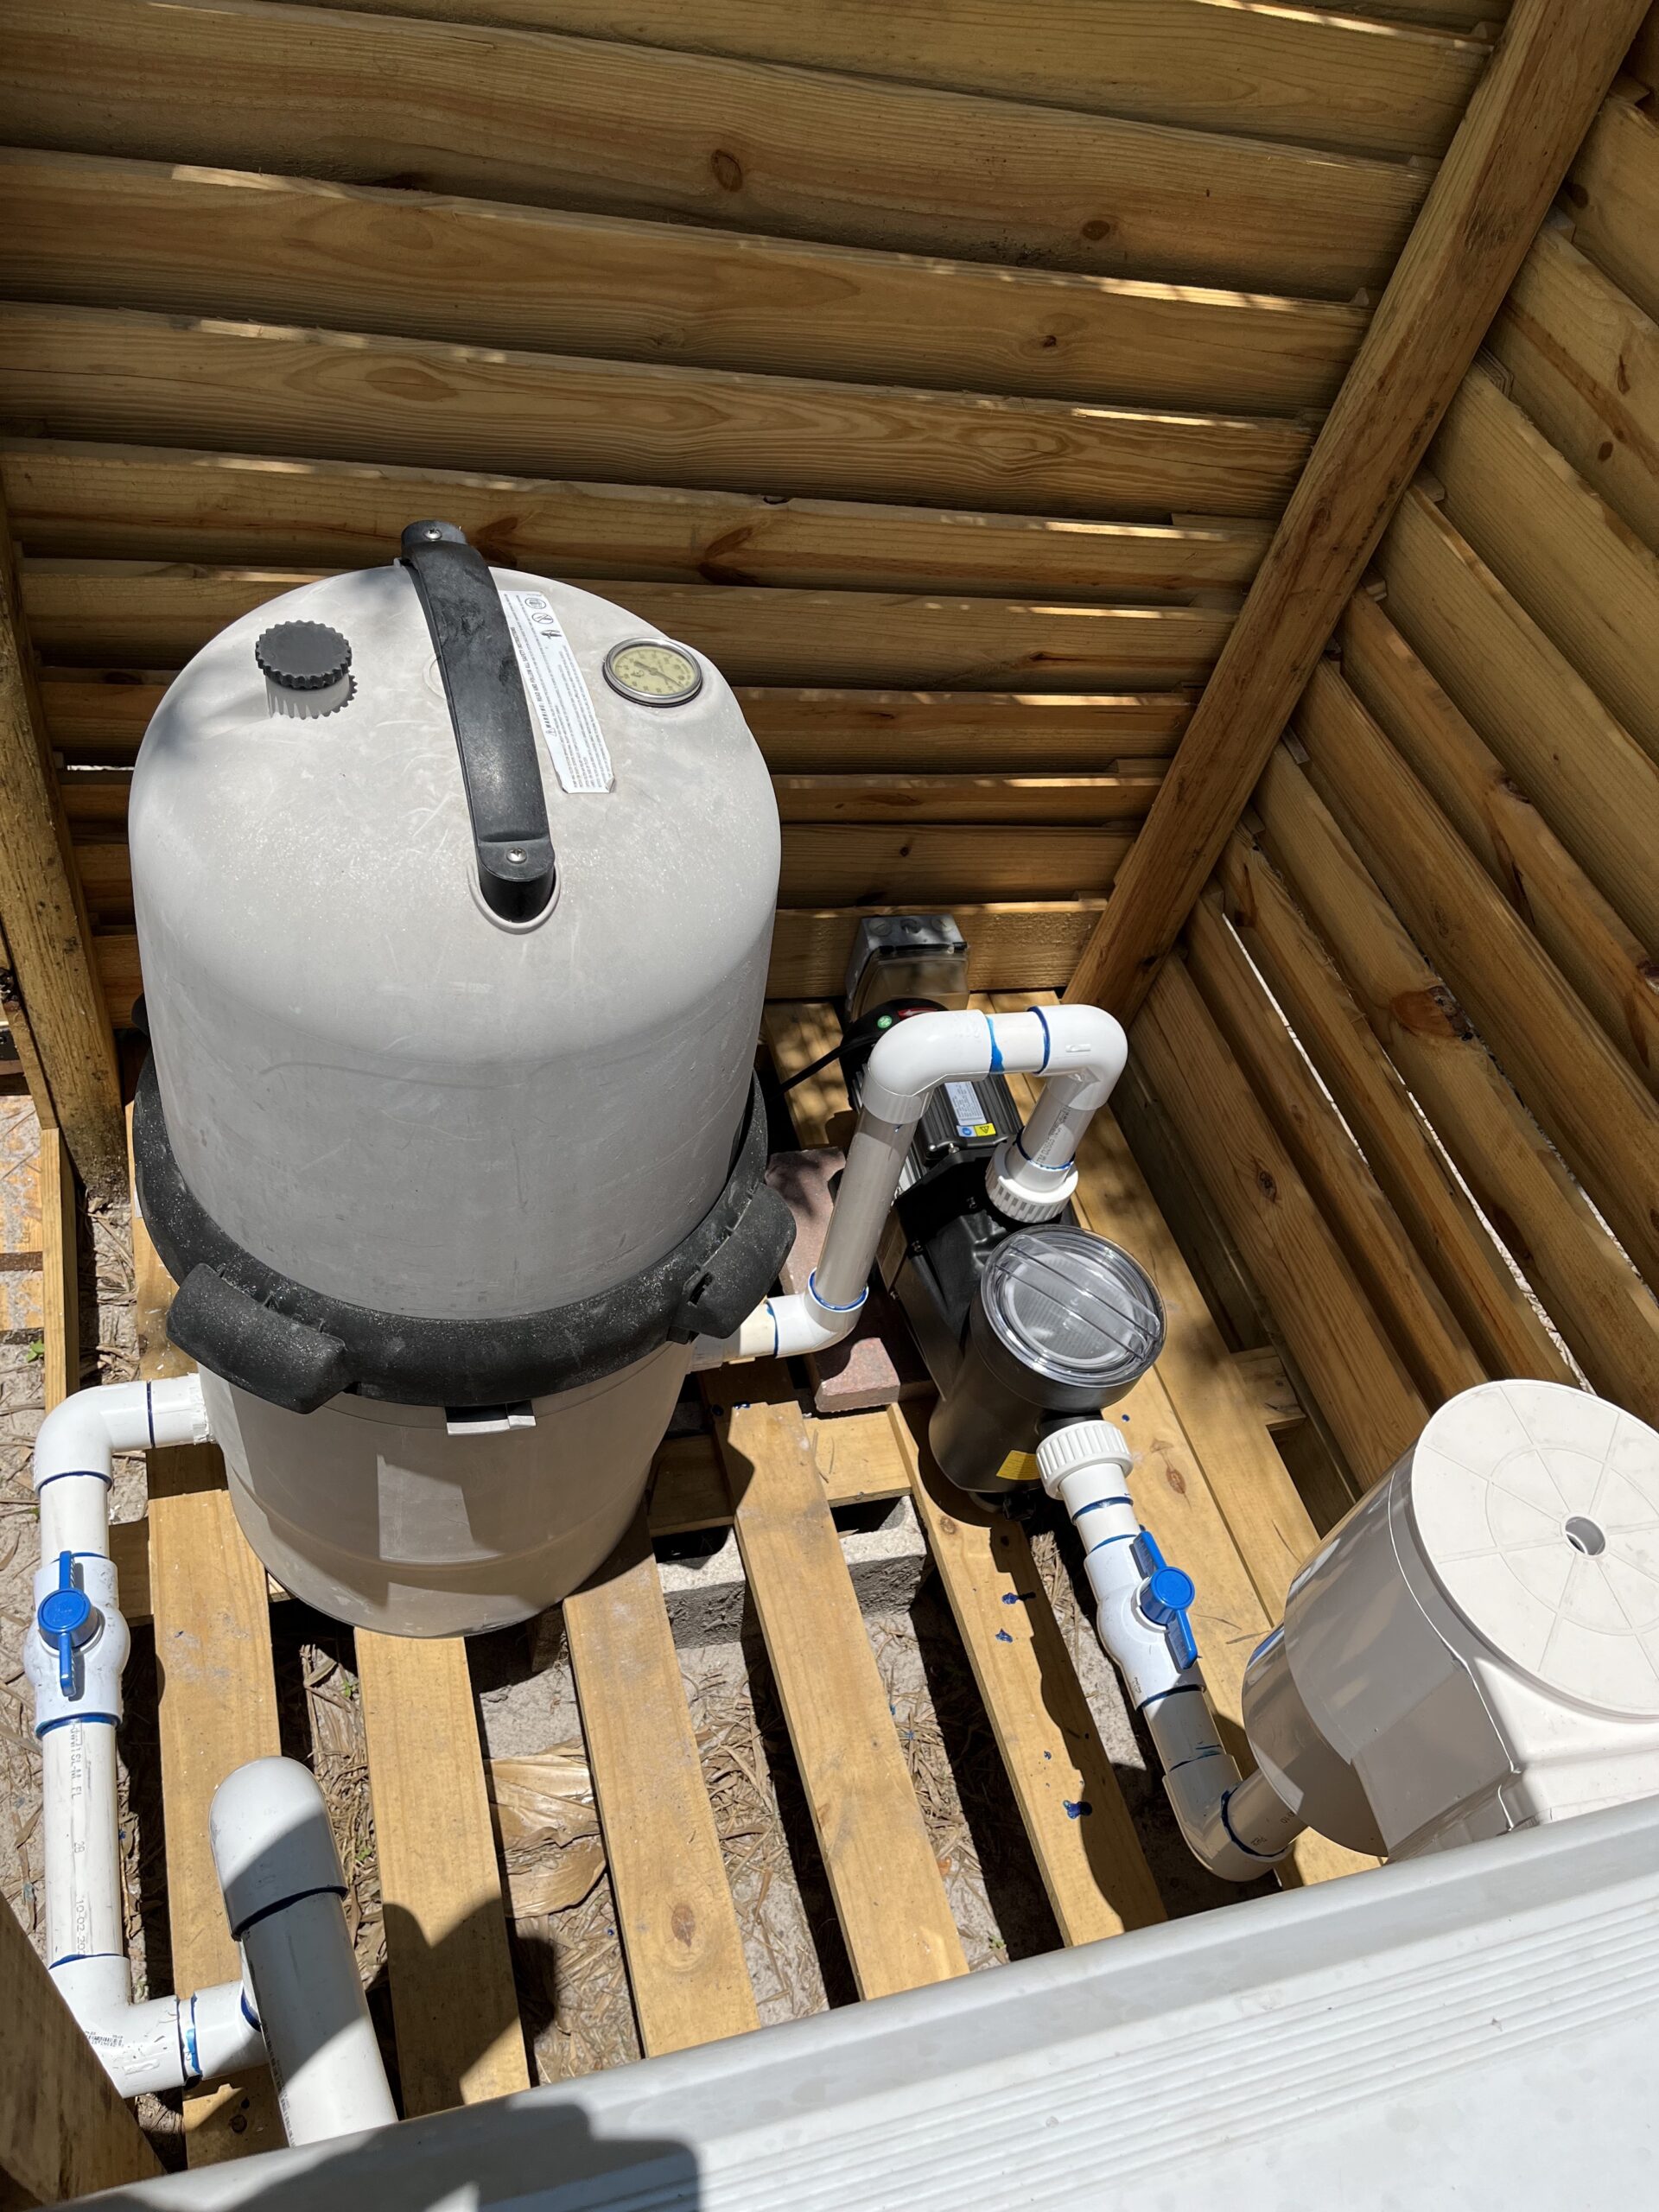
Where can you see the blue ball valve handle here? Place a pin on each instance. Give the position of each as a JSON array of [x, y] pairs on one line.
[[1166, 1598], [67, 1620]]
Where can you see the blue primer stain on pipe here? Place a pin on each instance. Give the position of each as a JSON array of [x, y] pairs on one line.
[[1002, 1637], [1075, 1812]]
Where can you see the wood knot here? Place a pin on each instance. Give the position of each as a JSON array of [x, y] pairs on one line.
[[684, 1924], [1097, 227], [729, 170]]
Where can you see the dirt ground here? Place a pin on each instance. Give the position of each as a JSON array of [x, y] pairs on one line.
[[567, 1955]]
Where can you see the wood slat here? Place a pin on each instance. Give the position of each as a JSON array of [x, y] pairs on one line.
[[217, 1708], [1034, 943], [1584, 576], [1581, 1092], [1050, 799], [154, 503], [1592, 781], [627, 130], [47, 948], [1583, 360], [1610, 969], [1339, 1343], [64, 2129], [1093, 1868], [889, 1895], [1322, 80], [99, 715], [454, 2004], [98, 797], [117, 373], [859, 865], [674, 1907], [149, 614], [1401, 1292], [1613, 197], [1474, 1277], [1524, 124], [198, 241], [60, 1271], [1588, 1288]]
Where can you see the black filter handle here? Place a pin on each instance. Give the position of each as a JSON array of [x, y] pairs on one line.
[[500, 759]]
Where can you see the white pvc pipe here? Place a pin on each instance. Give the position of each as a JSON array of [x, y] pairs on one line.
[[1238, 1829], [1080, 1049], [75, 1652], [281, 1875]]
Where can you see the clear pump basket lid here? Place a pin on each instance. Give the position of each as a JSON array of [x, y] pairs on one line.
[[1073, 1308]]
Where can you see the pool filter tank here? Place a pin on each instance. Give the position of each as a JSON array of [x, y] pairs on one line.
[[454, 891]]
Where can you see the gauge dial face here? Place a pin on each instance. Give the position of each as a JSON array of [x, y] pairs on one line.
[[655, 674]]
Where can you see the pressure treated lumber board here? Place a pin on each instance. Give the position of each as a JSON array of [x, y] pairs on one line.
[[123, 374], [1608, 967], [1035, 943], [1583, 1094], [1473, 1274], [1613, 197], [1583, 360], [159, 503], [1524, 124], [623, 128], [197, 241], [1582, 574], [99, 716], [1337, 1340], [1094, 1871], [674, 1906], [217, 1707], [1585, 1283], [888, 1893], [60, 1271], [854, 866], [1005, 799], [1321, 79], [1401, 1291], [97, 798], [1592, 781], [454, 2005], [148, 613], [46, 931], [64, 2129]]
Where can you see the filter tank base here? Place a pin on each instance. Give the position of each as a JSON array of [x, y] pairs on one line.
[[376, 1515]]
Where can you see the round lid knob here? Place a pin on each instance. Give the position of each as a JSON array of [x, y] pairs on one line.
[[304, 655]]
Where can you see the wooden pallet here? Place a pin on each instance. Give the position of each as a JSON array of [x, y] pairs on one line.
[[1213, 1487]]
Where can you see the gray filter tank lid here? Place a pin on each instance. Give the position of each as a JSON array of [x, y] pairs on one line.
[[1071, 1307]]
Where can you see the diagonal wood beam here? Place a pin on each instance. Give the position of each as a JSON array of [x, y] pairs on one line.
[[1552, 65], [47, 938]]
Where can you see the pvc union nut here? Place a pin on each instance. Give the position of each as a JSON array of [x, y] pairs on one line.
[[1024, 1192], [1084, 1444]]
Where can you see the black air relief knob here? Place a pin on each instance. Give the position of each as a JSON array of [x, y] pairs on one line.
[[307, 665]]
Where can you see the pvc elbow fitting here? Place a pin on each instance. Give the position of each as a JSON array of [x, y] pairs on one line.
[[82, 1435]]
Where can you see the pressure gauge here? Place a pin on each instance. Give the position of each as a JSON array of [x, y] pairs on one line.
[[653, 672]]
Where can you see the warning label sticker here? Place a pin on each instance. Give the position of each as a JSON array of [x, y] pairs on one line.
[[559, 699]]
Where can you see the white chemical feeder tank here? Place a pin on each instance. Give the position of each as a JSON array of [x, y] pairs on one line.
[[455, 892]]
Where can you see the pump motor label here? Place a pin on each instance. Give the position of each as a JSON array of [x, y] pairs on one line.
[[970, 1114], [559, 699]]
